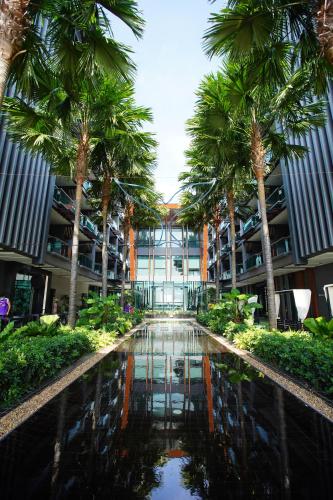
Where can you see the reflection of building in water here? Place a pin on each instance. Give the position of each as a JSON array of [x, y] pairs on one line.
[[168, 382]]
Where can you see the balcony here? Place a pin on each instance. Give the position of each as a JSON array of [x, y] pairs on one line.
[[63, 200], [57, 246], [281, 247], [254, 261], [276, 199], [239, 269], [88, 225], [226, 275], [85, 261], [225, 249], [98, 268], [251, 223]]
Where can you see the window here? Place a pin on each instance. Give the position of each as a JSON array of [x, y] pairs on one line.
[[194, 268], [177, 273], [159, 270], [142, 268]]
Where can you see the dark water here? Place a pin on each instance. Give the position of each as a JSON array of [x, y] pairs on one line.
[[170, 416]]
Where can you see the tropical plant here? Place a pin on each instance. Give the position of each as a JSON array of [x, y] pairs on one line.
[[105, 313], [320, 327], [76, 35], [64, 124], [268, 112], [245, 27], [218, 152], [121, 150]]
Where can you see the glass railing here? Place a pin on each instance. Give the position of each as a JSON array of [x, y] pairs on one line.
[[224, 225], [225, 249], [239, 269], [255, 260], [98, 268], [55, 245], [276, 198], [86, 223], [193, 243], [61, 197], [251, 223], [85, 261], [281, 247], [113, 248]]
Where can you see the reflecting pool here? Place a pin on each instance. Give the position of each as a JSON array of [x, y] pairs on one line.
[[170, 416]]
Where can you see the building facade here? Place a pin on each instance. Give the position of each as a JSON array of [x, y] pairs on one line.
[[36, 230], [170, 264], [299, 197]]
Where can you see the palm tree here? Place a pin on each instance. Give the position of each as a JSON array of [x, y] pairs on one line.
[[221, 152], [122, 149], [245, 27], [141, 206], [76, 36], [64, 125], [270, 114]]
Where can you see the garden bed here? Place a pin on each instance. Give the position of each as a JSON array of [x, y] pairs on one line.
[[37, 352]]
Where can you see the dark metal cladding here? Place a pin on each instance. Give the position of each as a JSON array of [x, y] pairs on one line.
[[26, 192], [309, 190]]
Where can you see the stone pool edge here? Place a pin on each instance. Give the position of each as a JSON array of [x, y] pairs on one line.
[[307, 397], [67, 376]]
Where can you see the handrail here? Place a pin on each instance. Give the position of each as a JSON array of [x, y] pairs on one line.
[[58, 246]]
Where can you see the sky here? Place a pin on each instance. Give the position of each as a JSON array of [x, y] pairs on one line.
[[170, 65]]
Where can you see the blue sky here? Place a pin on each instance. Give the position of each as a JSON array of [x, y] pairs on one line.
[[170, 63]]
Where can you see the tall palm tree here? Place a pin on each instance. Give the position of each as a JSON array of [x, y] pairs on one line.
[[76, 34], [122, 149], [270, 114], [63, 125], [224, 156], [245, 27]]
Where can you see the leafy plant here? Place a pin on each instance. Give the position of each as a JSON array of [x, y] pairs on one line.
[[298, 353], [320, 327], [233, 307]]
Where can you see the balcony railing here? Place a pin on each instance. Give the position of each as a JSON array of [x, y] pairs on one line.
[[225, 249], [255, 260], [86, 223], [55, 245], [98, 268], [85, 261], [281, 247], [251, 223], [239, 269], [226, 275], [276, 198], [111, 275], [64, 199]]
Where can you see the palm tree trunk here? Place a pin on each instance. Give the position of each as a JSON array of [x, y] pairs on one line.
[[218, 262], [13, 23], [325, 29], [258, 162], [80, 178], [231, 208], [123, 271], [105, 254], [4, 70]]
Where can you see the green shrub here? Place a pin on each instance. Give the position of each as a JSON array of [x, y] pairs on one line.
[[37, 351], [26, 364], [298, 353], [233, 307], [320, 327]]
